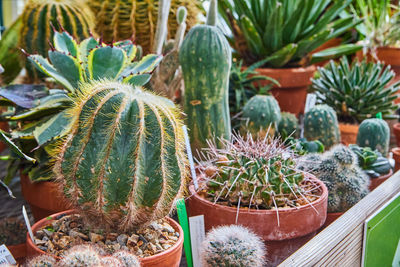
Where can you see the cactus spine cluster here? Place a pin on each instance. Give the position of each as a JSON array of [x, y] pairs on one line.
[[374, 133], [81, 255], [126, 19], [127, 258], [42, 261], [38, 18], [288, 125], [321, 123], [123, 164], [232, 246], [261, 116], [338, 168]]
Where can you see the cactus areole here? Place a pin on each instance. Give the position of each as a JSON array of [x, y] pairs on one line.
[[205, 57], [123, 164]]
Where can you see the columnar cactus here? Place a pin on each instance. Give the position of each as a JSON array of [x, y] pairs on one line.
[[123, 163], [374, 133], [320, 123], [232, 246], [261, 116], [338, 169], [288, 125], [42, 261], [124, 19], [127, 258], [38, 18]]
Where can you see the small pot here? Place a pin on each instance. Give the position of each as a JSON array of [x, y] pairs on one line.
[[396, 157], [396, 130], [18, 252], [375, 182], [331, 217], [170, 257], [44, 197], [292, 93], [348, 133], [296, 225]]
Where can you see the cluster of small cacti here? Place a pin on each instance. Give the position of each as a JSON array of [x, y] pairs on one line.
[[86, 256], [374, 133], [288, 125], [261, 116], [232, 246], [126, 19], [137, 170], [40, 16], [237, 173], [373, 163], [320, 123], [338, 169]]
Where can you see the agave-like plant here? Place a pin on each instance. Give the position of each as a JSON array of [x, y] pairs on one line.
[[40, 113], [357, 91], [285, 32]]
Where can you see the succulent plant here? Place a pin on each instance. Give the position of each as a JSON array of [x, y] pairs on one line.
[[42, 261], [288, 125], [110, 261], [123, 164], [9, 52], [69, 64], [137, 19], [80, 256], [285, 32], [374, 133], [372, 162], [260, 173], [40, 16], [358, 91], [127, 258], [302, 147], [232, 246], [320, 123], [261, 116], [338, 169]]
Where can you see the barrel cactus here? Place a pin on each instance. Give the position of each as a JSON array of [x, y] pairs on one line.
[[205, 58], [261, 116], [232, 246], [38, 18], [374, 133], [123, 163], [126, 19], [9, 53], [288, 125], [320, 123]]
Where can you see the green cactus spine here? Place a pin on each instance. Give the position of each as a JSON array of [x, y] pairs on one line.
[[374, 133], [288, 125], [320, 123], [72, 15], [261, 116], [123, 164], [231, 246], [206, 78]]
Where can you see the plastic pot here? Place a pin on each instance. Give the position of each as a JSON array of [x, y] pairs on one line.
[[170, 257], [348, 133], [375, 182], [296, 225]]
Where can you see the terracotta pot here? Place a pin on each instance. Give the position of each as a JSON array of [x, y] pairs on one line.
[[396, 130], [292, 93], [170, 257], [331, 217], [18, 252], [296, 225], [396, 157], [375, 182], [44, 197], [329, 44], [348, 133]]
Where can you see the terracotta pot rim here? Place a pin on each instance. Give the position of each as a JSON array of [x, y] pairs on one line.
[[323, 196], [396, 125], [396, 150], [174, 224], [339, 213], [383, 176], [295, 70]]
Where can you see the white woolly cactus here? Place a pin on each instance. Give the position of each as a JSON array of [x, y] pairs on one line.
[[80, 256], [127, 258], [41, 261], [110, 261], [232, 246]]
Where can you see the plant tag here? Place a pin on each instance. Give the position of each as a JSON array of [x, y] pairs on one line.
[[5, 256], [28, 224], [310, 102], [197, 235], [190, 156]]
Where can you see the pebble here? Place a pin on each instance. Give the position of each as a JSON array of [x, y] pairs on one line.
[[95, 237], [121, 239]]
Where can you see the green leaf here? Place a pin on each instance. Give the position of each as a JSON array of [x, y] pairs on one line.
[[282, 56], [138, 80], [105, 62], [335, 52], [68, 66], [64, 42], [7, 188], [23, 95], [14, 148], [147, 64]]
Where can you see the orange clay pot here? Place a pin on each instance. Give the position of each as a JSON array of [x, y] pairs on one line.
[[375, 182], [348, 133], [18, 252], [396, 130], [396, 157]]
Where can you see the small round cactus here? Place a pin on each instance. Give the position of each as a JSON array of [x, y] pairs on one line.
[[110, 261], [374, 133], [80, 256], [127, 258], [231, 246], [42, 261]]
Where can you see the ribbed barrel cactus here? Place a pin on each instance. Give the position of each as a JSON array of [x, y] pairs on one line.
[[374, 133], [123, 164], [288, 125]]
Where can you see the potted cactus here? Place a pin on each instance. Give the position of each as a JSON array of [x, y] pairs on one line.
[[41, 112], [282, 35], [339, 170], [356, 92], [123, 164], [256, 183]]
